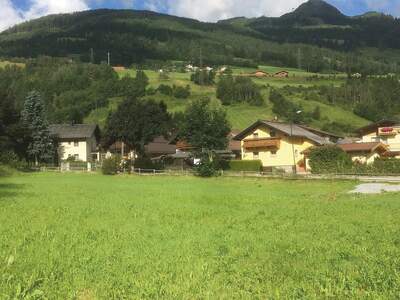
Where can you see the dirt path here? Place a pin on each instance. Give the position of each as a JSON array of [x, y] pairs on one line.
[[375, 188]]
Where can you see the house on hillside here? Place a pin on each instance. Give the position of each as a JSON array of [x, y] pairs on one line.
[[282, 74], [119, 69], [78, 141], [386, 132], [281, 145], [259, 74]]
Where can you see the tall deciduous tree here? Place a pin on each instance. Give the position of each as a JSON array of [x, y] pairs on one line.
[[205, 125], [136, 123], [41, 147]]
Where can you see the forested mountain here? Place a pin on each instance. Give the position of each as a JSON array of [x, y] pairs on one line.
[[319, 23], [316, 36]]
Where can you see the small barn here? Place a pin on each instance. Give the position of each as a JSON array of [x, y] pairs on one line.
[[259, 74], [119, 68], [282, 74]]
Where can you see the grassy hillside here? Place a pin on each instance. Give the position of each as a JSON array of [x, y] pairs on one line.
[[6, 63], [242, 115]]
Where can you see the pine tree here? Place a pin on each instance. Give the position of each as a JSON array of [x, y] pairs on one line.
[[41, 147]]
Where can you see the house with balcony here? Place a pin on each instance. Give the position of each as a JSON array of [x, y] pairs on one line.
[[386, 132], [77, 142], [281, 145]]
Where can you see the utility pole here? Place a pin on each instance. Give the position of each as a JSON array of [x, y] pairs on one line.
[[91, 56], [292, 142], [299, 58], [201, 74]]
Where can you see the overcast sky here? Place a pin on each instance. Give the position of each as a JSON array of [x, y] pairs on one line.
[[16, 11]]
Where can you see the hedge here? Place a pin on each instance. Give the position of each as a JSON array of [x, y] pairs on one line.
[[245, 165]]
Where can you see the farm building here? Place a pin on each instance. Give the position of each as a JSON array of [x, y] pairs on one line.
[[78, 141], [119, 68], [282, 74], [259, 73]]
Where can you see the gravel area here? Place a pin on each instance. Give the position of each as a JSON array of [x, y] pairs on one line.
[[375, 188]]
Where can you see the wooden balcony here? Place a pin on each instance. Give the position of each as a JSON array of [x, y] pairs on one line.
[[264, 143], [387, 131]]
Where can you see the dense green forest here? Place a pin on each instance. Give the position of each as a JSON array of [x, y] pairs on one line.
[[315, 37]]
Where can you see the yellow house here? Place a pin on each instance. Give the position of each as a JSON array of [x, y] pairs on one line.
[[386, 132], [78, 141], [281, 145]]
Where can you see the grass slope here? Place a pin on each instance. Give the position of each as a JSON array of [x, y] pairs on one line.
[[68, 236], [6, 63], [242, 115]]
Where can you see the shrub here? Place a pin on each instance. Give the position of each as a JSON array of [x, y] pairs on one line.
[[245, 165], [221, 164], [386, 166], [146, 163], [111, 166], [8, 158], [181, 92], [329, 159], [165, 90], [5, 171], [12, 160], [205, 168]]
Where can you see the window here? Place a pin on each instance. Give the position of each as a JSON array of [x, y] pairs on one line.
[[76, 156], [69, 143], [76, 144], [272, 133], [256, 155], [255, 135], [273, 153]]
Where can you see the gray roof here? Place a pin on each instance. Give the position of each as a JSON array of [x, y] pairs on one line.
[[76, 131], [286, 128]]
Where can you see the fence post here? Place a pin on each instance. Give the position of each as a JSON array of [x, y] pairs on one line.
[[139, 171], [89, 167], [154, 171]]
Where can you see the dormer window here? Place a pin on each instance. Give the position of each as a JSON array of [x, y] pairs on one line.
[[255, 135]]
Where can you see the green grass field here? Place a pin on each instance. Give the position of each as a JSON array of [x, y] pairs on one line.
[[83, 236]]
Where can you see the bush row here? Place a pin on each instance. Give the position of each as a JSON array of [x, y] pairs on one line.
[[333, 160], [245, 165]]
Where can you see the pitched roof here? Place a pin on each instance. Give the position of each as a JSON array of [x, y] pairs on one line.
[[373, 126], [321, 132], [364, 147], [160, 145], [286, 128], [76, 131]]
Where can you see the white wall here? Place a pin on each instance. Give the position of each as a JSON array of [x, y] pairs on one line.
[[69, 148]]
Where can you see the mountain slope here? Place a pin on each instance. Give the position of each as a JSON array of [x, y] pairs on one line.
[[315, 12], [327, 39]]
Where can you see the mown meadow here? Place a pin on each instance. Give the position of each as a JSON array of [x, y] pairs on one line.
[[87, 236]]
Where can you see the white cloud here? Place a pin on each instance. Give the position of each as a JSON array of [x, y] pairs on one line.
[[213, 10], [10, 15]]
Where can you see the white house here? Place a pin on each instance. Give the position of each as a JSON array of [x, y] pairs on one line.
[[79, 141]]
